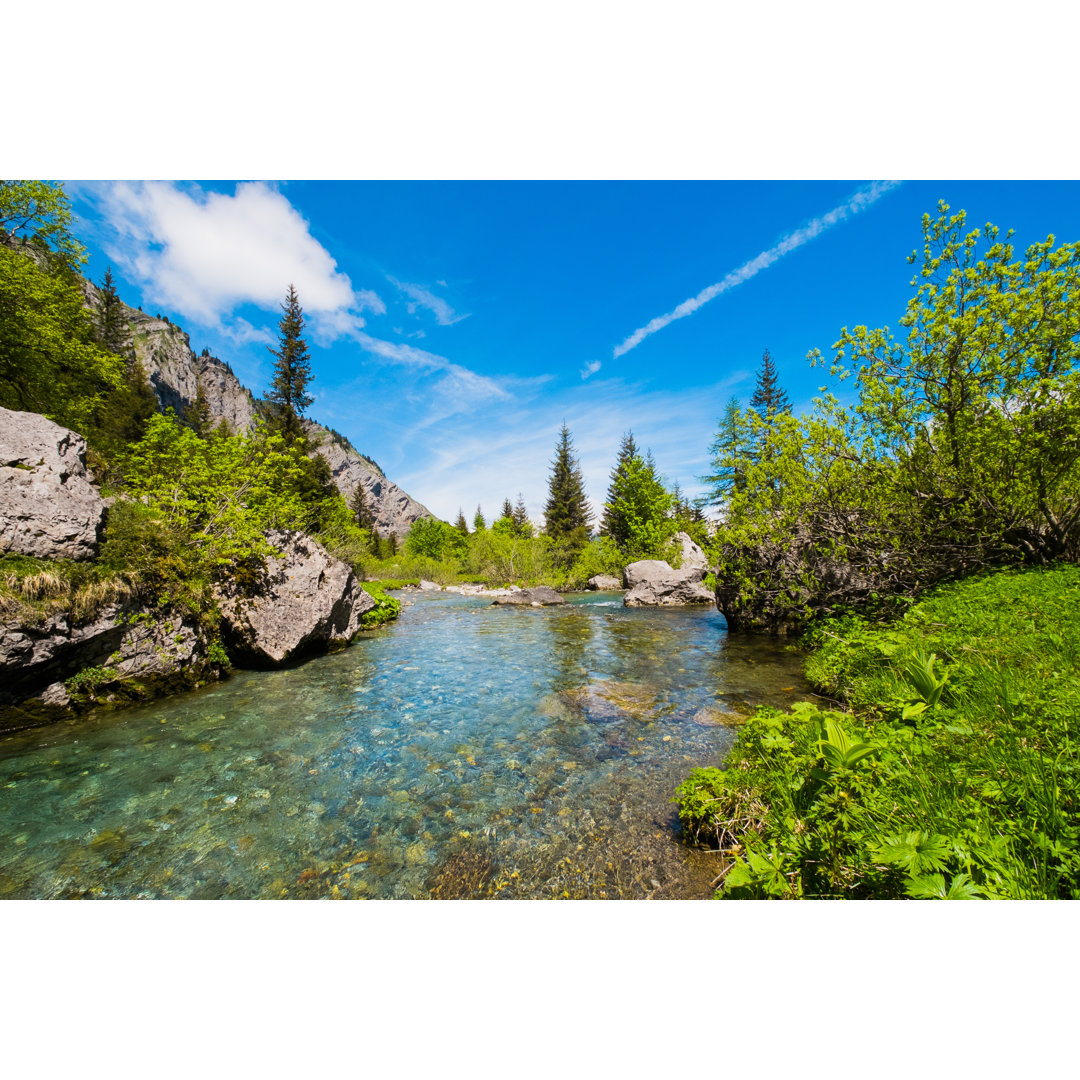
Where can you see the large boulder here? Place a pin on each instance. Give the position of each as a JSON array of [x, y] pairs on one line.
[[604, 583], [49, 507], [307, 602], [691, 557], [539, 596], [121, 653], [653, 583]]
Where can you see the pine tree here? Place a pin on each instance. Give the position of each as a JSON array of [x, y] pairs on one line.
[[638, 509], [461, 524], [567, 510], [197, 415], [507, 510], [478, 523], [730, 455], [611, 523], [112, 326], [769, 396], [358, 506], [520, 517], [288, 393]]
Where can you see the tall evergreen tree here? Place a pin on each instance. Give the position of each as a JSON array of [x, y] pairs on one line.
[[769, 396], [461, 524], [113, 333], [730, 455], [358, 506], [478, 523], [197, 415], [520, 517], [288, 393], [567, 510], [611, 523], [507, 509]]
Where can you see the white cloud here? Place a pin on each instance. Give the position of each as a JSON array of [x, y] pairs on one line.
[[591, 368], [859, 201], [424, 298], [203, 254]]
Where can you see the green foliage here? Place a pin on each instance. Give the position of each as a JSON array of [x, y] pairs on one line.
[[960, 452], [769, 396], [37, 212], [638, 514], [975, 794], [386, 607], [90, 679], [433, 539]]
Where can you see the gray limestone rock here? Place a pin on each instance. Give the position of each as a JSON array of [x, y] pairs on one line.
[[540, 596], [604, 582], [691, 557], [653, 583], [308, 602], [49, 507]]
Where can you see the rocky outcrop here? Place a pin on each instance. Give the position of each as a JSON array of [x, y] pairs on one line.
[[175, 371], [653, 583], [604, 582], [394, 511], [691, 557], [49, 507], [308, 602], [121, 654], [540, 596]]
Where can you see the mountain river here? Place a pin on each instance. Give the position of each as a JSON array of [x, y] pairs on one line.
[[464, 750]]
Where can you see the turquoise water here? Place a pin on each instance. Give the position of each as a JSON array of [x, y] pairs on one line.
[[465, 750]]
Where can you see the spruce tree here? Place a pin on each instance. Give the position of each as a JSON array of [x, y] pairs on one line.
[[478, 523], [461, 524], [507, 510], [730, 455], [288, 395], [611, 523], [567, 511], [112, 326], [197, 415], [520, 517], [358, 506], [769, 396]]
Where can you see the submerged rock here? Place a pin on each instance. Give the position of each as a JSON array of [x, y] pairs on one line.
[[653, 583], [613, 699], [307, 602], [604, 583], [49, 507], [539, 596]]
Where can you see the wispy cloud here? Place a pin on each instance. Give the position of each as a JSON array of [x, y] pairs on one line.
[[859, 201], [591, 368], [424, 298]]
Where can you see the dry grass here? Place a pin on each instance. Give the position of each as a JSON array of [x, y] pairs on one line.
[[31, 592]]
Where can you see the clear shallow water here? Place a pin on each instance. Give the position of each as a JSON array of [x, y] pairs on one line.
[[465, 750]]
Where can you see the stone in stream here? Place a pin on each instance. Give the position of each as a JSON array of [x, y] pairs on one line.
[[691, 557], [604, 583], [49, 507], [653, 583], [539, 596]]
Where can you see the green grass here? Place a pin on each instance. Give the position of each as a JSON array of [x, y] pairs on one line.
[[949, 768]]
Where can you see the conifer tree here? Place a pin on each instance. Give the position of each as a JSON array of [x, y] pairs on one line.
[[461, 524], [197, 415], [358, 506], [567, 510], [520, 517], [507, 509], [611, 523], [288, 393], [479, 525], [112, 327], [769, 396]]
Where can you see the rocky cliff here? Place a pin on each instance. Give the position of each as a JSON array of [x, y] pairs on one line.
[[175, 371]]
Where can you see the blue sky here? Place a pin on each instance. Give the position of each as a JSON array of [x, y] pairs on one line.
[[455, 325]]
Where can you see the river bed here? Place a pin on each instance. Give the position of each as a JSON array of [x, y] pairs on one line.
[[463, 751]]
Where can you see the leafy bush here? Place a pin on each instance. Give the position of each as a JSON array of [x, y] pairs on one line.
[[952, 778]]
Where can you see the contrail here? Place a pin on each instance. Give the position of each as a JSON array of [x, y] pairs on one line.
[[859, 201]]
